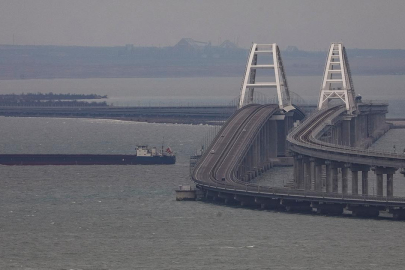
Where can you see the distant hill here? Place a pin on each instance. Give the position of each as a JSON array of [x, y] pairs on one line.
[[185, 59]]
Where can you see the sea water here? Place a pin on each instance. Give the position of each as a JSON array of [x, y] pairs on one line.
[[126, 217]]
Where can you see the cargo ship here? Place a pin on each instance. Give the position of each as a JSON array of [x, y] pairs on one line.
[[143, 156]]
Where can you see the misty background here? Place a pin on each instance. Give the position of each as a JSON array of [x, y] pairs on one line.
[[188, 52], [307, 24]]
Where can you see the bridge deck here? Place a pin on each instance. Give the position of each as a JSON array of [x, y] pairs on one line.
[[216, 169]]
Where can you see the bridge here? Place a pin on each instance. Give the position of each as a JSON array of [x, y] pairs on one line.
[[326, 148]]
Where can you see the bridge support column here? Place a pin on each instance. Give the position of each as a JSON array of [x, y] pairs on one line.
[[318, 175], [307, 173], [331, 177], [345, 173], [355, 182], [298, 172], [390, 185], [328, 177], [380, 171], [313, 172], [380, 186], [335, 185], [364, 182]]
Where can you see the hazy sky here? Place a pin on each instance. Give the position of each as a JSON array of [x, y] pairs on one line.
[[308, 24]]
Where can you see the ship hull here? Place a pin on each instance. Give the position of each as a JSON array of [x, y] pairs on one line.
[[56, 159]]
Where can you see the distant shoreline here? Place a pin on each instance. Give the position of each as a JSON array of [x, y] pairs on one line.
[[2, 78], [180, 61]]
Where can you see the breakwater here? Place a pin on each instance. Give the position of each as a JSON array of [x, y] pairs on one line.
[[174, 114]]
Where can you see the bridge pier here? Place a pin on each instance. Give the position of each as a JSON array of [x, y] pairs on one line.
[[379, 185], [307, 173], [312, 172], [318, 174], [331, 176], [309, 170], [355, 182], [355, 169], [298, 172], [380, 171], [364, 182], [390, 185], [345, 180]]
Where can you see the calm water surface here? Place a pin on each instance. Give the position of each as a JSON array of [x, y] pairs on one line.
[[126, 217]]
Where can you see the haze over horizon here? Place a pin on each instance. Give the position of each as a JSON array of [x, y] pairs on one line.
[[308, 24]]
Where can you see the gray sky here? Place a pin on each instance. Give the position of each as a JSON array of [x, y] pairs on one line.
[[308, 24]]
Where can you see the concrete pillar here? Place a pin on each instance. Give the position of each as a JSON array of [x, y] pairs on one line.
[[329, 176], [307, 174], [312, 172], [335, 186], [364, 182], [380, 186], [379, 171], [332, 176], [345, 173], [295, 172], [318, 176], [299, 172], [353, 131], [390, 185], [355, 182]]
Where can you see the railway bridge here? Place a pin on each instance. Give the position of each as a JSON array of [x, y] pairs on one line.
[[328, 148]]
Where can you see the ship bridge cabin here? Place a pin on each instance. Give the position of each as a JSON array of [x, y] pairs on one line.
[[144, 151]]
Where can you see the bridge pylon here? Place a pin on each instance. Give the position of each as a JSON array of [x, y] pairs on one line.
[[337, 80], [274, 64]]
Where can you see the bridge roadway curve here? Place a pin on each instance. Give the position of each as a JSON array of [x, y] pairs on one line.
[[303, 140], [216, 166], [216, 169]]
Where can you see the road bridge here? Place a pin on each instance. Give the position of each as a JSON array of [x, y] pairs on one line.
[[330, 141]]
